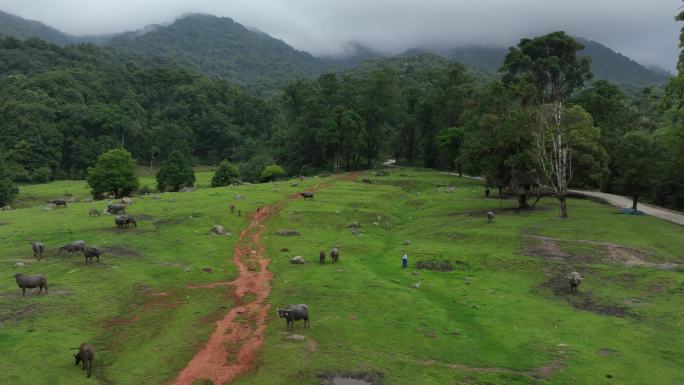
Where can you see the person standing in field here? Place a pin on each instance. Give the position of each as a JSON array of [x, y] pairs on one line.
[[404, 261]]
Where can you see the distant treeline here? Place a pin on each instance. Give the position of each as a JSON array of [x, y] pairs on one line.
[[62, 107]]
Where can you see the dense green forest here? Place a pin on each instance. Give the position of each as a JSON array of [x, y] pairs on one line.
[[60, 107]]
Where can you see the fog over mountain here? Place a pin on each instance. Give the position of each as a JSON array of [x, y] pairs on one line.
[[644, 30]]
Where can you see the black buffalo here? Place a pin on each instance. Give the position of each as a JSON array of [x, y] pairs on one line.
[[31, 282], [321, 256], [58, 202], [294, 313], [38, 248], [91, 252], [307, 195], [117, 208], [335, 255], [85, 355]]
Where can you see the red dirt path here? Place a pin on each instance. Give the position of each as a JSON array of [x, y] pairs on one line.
[[231, 348]]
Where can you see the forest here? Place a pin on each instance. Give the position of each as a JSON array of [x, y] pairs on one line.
[[61, 107]]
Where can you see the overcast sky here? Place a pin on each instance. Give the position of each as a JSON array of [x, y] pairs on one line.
[[644, 30]]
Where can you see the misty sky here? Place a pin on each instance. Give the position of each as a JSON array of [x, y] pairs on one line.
[[644, 30]]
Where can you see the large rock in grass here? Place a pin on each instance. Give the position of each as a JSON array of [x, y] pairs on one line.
[[6, 208], [354, 225], [297, 260], [287, 233], [219, 230]]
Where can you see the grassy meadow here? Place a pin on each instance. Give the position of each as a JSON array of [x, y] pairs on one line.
[[496, 310]]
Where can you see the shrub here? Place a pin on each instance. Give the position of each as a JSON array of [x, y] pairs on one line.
[[114, 172], [272, 172], [226, 174], [175, 173], [41, 175]]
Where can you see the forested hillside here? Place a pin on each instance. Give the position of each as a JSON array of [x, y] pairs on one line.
[[220, 47]]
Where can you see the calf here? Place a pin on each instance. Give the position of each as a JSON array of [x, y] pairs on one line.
[[73, 247], [31, 282], [307, 195], [85, 355], [295, 313], [321, 257], [93, 212], [38, 248], [91, 252], [490, 216], [575, 279], [334, 254]]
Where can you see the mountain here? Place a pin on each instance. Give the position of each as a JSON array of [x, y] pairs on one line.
[[15, 26], [220, 47]]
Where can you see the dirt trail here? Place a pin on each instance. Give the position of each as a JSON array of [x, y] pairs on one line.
[[231, 348]]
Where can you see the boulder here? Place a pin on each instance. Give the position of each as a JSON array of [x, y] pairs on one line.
[[354, 225], [187, 189], [219, 230], [416, 285], [407, 242], [6, 208], [287, 233], [297, 260], [239, 197], [127, 201]]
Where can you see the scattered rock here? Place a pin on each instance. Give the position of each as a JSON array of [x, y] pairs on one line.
[[155, 196], [208, 270], [239, 197], [172, 200], [187, 268], [340, 270], [287, 233], [219, 230], [187, 189], [407, 242], [414, 272], [356, 232], [6, 208], [294, 184], [376, 224], [19, 264], [295, 337], [297, 260], [127, 201], [354, 225], [88, 200], [417, 285]]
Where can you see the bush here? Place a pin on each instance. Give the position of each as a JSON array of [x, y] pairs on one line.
[[226, 174], [251, 170], [144, 189], [114, 172], [8, 190], [18, 173], [175, 173], [272, 172], [41, 175]]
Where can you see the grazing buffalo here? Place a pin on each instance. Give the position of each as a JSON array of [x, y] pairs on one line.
[[91, 252], [321, 256], [575, 279], [31, 282], [38, 248], [123, 221], [367, 181], [307, 195], [490, 216], [334, 254], [58, 202], [295, 313], [73, 247], [93, 212], [115, 209], [85, 355]]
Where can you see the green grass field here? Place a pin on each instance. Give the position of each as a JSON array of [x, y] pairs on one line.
[[501, 315]]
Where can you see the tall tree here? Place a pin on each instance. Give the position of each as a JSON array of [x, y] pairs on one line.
[[638, 162], [553, 64], [175, 173], [114, 173]]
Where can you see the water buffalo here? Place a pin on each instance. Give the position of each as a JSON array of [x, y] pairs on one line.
[[295, 313], [490, 216], [31, 282], [115, 209], [321, 256], [367, 181], [334, 254], [73, 247], [93, 212], [307, 195], [58, 202], [575, 279], [90, 252], [38, 248], [123, 221], [131, 221], [85, 355]]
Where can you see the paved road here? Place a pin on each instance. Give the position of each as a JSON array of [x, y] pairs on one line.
[[622, 202]]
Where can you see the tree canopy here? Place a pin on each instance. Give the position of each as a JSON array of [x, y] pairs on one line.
[[114, 173]]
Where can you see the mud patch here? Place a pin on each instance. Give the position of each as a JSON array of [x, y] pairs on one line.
[[545, 248], [582, 300], [607, 352], [350, 378], [20, 314], [144, 217], [118, 250], [630, 256], [444, 265]]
